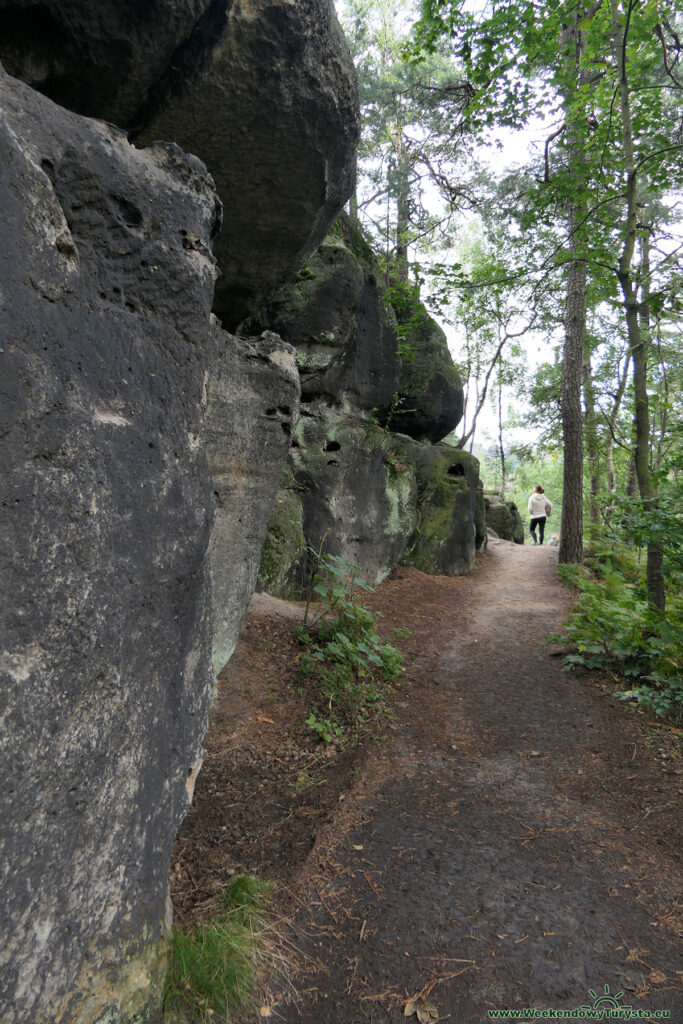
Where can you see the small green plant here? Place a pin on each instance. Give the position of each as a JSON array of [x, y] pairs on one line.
[[612, 626], [213, 969], [345, 662], [402, 633]]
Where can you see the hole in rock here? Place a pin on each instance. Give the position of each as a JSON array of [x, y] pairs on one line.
[[271, 412], [456, 470], [129, 213], [332, 446], [332, 462]]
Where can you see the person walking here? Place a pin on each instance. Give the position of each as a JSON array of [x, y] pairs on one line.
[[539, 509]]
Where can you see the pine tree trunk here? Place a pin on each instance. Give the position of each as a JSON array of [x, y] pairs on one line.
[[571, 529]]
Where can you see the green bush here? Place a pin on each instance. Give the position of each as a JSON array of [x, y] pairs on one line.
[[612, 626], [345, 663], [213, 969]]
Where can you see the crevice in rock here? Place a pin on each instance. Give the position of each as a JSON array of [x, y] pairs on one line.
[[185, 63]]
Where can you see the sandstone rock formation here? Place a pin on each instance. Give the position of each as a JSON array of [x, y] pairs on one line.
[[265, 93], [429, 402], [444, 541], [352, 485], [253, 409], [349, 492], [107, 279], [503, 518], [344, 330]]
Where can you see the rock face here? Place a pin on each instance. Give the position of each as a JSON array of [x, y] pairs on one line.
[[344, 330], [345, 490], [353, 486], [106, 282], [253, 410], [444, 541], [265, 93], [504, 519], [429, 402]]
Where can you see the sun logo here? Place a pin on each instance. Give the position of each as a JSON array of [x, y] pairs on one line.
[[604, 1001]]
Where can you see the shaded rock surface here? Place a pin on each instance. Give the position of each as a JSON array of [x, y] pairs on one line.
[[265, 93], [253, 409], [429, 403], [344, 330], [106, 287], [503, 518], [350, 494], [352, 485], [444, 541]]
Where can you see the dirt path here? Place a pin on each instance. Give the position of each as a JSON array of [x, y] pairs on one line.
[[512, 844]]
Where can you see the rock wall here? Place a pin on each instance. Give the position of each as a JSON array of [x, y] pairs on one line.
[[264, 91], [444, 541], [253, 410], [503, 518], [106, 283], [353, 486]]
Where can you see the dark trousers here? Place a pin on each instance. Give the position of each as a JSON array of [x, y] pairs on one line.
[[540, 523]]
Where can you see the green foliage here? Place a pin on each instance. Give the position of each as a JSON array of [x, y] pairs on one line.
[[212, 969], [612, 626], [345, 663]]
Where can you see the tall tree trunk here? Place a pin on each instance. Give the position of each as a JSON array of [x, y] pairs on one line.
[[655, 580], [353, 209], [571, 527], [402, 205], [592, 448], [500, 437]]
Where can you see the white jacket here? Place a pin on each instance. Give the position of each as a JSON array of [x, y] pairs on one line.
[[539, 506]]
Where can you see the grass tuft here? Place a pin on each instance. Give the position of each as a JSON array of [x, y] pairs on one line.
[[213, 969]]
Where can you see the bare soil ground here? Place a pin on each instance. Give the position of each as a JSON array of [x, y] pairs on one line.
[[513, 841]]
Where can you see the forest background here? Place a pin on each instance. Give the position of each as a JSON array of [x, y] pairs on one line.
[[558, 275]]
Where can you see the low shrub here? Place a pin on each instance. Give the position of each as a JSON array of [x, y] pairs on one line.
[[345, 663], [612, 626]]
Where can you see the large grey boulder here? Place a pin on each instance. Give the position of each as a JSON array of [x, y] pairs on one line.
[[503, 518], [337, 316], [105, 59], [444, 541], [264, 91], [253, 410], [356, 500], [106, 282], [429, 402]]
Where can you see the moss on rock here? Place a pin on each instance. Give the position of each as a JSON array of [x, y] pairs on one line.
[[443, 542], [430, 396]]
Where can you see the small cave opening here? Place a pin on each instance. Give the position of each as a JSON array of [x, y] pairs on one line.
[[332, 446], [456, 470]]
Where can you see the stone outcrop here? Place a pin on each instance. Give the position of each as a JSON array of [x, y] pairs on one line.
[[503, 518], [107, 280], [346, 491], [338, 317], [444, 541], [265, 93], [253, 410], [353, 487], [429, 401]]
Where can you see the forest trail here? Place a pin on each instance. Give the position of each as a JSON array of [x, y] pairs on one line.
[[502, 849], [512, 842]]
